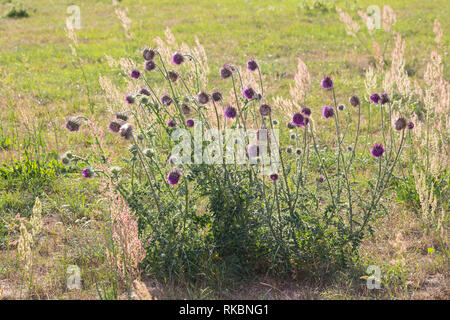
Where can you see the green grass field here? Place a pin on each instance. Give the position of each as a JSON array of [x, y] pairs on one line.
[[41, 84]]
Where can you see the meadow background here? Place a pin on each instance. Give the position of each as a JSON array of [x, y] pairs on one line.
[[42, 84]]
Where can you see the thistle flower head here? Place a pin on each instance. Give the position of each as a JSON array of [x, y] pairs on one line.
[[327, 112], [148, 54], [306, 112], [216, 96], [375, 98], [298, 151], [249, 93], [275, 122], [265, 110], [226, 71], [88, 172], [126, 131], [384, 98], [252, 65], [150, 65], [341, 107], [320, 178], [327, 83], [298, 119], [135, 74], [230, 112], [290, 125], [410, 125], [185, 109], [166, 100], [130, 99], [65, 160], [174, 177], [289, 149], [148, 152], [400, 123], [293, 136], [121, 116], [377, 150], [354, 100], [203, 97], [177, 58], [144, 92], [73, 124], [115, 125], [173, 76], [171, 123], [274, 177], [190, 123]]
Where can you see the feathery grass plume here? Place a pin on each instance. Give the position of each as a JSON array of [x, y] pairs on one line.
[[141, 292], [437, 29], [24, 252], [428, 201], [389, 18], [302, 83], [370, 80], [124, 21], [125, 251], [370, 23], [36, 218], [351, 27]]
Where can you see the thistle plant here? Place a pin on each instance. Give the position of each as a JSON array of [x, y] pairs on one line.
[[216, 180]]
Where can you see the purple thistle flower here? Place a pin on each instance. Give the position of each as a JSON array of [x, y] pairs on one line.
[[87, 172], [290, 125], [327, 112], [253, 150], [121, 116], [126, 131], [148, 54], [177, 58], [190, 123], [306, 112], [265, 110], [354, 100], [410, 125], [230, 112], [115, 125], [174, 177], [150, 65], [327, 83], [252, 65], [226, 71], [166, 100], [135, 74], [320, 178], [171, 123], [400, 123], [377, 150], [259, 96], [249, 93], [216, 96], [341, 107], [298, 120], [203, 98], [173, 76], [130, 99], [375, 98], [144, 92], [385, 98], [185, 109], [274, 177], [73, 124]]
